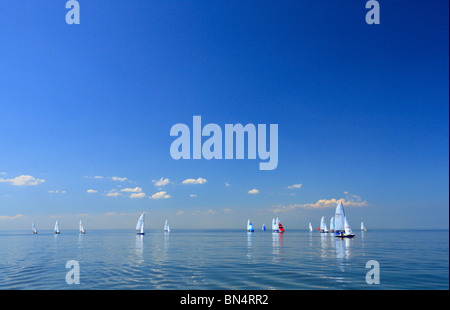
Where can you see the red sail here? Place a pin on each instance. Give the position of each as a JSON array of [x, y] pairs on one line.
[[280, 227]]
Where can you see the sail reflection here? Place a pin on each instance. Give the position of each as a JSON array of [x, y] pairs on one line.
[[277, 239], [342, 251], [249, 245], [139, 248]]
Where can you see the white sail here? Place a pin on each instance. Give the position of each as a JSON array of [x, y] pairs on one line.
[[33, 228], [332, 223], [348, 229], [339, 218], [322, 223], [81, 228], [166, 226], [250, 226], [275, 224], [310, 227], [57, 227], [362, 226], [140, 223]]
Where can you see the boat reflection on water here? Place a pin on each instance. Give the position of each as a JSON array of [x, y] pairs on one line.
[[249, 245], [325, 245], [139, 248], [277, 243], [342, 247]]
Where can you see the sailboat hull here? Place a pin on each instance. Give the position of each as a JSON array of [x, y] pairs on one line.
[[140, 233], [345, 236]]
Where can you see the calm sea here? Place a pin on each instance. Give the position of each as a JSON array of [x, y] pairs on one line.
[[224, 259]]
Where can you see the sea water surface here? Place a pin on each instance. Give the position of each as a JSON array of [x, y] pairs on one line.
[[224, 259]]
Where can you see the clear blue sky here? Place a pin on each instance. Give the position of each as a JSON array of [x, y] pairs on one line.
[[362, 110]]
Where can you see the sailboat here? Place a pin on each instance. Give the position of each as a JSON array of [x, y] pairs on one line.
[[82, 231], [323, 227], [363, 228], [250, 226], [166, 227], [140, 225], [310, 227], [263, 228], [57, 227], [332, 224], [280, 227], [348, 233], [275, 225], [33, 228], [339, 219], [341, 226]]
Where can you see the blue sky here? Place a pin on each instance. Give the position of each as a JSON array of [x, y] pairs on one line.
[[362, 112]]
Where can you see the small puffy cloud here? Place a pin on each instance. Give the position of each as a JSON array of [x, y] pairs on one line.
[[195, 181], [110, 213], [211, 211], [160, 195], [23, 180], [6, 217], [295, 186], [181, 212], [92, 191], [253, 191], [227, 184], [161, 182], [137, 195], [98, 177], [118, 179], [57, 192], [192, 195], [113, 193], [132, 190]]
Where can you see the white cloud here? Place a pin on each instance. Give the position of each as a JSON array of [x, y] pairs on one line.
[[227, 211], [112, 194], [295, 186], [6, 217], [181, 212], [98, 177], [137, 195], [160, 195], [132, 190], [57, 192], [227, 184], [118, 179], [194, 181], [92, 191], [23, 180], [253, 191], [350, 200], [161, 182], [192, 195]]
